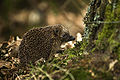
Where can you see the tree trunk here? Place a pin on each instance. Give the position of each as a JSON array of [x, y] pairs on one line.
[[102, 32], [102, 37]]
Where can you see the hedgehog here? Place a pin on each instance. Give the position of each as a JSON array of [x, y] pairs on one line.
[[42, 42]]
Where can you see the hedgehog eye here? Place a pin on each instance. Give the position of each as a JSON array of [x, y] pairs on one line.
[[64, 35], [56, 32]]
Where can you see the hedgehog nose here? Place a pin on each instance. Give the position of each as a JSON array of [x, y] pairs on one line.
[[71, 38]]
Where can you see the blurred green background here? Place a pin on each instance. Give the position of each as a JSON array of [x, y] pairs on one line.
[[17, 16]]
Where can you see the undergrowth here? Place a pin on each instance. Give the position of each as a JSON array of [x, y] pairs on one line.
[[63, 67]]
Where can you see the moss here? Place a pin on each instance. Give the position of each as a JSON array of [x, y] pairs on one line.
[[107, 38], [81, 74]]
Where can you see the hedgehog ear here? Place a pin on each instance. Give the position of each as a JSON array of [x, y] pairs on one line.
[[56, 31]]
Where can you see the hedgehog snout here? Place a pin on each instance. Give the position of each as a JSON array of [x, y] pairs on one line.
[[67, 37], [71, 38]]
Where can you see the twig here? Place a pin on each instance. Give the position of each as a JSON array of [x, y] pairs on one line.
[[45, 73], [66, 71]]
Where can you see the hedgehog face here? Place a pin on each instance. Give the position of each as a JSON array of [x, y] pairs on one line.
[[65, 37], [63, 34]]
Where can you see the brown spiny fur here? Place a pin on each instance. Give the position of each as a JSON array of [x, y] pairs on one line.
[[40, 43]]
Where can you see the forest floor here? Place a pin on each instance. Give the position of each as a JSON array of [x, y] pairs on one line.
[[73, 64]]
